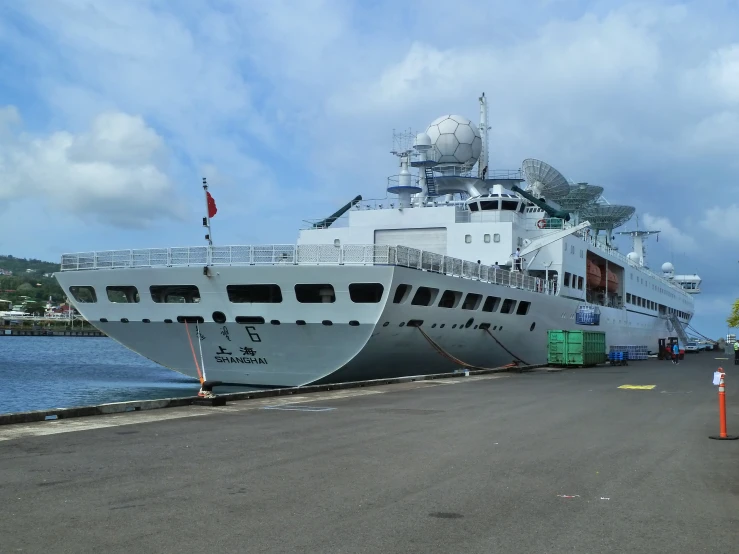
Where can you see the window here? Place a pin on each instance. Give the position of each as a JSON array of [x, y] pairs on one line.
[[572, 249], [507, 307], [471, 301], [174, 294], [366, 293], [496, 237], [567, 279], [450, 299], [628, 298], [579, 283], [486, 237], [581, 254], [123, 295], [401, 294], [424, 296], [468, 238], [84, 294], [491, 304], [312, 293], [259, 294], [523, 308]]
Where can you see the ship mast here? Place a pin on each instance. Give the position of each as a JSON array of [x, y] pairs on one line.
[[640, 248]]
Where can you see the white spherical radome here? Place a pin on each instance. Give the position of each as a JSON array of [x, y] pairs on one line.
[[667, 267], [633, 257], [456, 139]]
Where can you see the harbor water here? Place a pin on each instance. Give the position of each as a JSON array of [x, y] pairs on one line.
[[38, 373]]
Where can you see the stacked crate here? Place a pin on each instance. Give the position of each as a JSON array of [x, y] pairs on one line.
[[632, 351]]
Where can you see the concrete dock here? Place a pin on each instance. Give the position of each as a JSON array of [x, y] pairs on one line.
[[523, 463]]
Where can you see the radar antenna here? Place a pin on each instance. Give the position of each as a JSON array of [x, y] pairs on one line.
[[607, 217], [544, 180]]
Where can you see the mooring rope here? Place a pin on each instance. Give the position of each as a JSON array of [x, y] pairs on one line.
[[194, 357], [504, 348], [457, 361]]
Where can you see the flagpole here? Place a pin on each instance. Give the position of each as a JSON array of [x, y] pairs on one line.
[[206, 219]]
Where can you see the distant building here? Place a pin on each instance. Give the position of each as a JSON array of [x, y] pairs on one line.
[[5, 272]]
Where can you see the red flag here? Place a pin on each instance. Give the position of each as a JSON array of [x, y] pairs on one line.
[[212, 210]]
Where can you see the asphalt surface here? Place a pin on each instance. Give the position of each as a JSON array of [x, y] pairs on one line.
[[537, 462]]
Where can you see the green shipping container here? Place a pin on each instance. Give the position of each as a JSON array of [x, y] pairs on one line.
[[584, 348]]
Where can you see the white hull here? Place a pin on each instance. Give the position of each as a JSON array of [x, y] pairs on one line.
[[381, 345]]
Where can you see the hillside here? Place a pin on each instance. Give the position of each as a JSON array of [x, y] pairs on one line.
[[28, 280]]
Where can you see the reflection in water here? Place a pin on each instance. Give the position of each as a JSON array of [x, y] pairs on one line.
[[38, 373]]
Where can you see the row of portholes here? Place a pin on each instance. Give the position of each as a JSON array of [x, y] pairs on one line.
[[418, 323], [239, 319]]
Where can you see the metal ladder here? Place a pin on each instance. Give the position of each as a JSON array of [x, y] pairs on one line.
[[430, 184], [678, 329]]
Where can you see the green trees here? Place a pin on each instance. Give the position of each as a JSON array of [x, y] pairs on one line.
[[733, 319]]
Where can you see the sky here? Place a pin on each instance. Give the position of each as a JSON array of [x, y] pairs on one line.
[[112, 112]]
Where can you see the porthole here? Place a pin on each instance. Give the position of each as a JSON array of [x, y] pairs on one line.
[[219, 317], [354, 323], [402, 324], [475, 326], [454, 326], [300, 322], [275, 322], [442, 325], [500, 328], [495, 327], [124, 320], [103, 320], [327, 322], [167, 321], [469, 323], [386, 324], [146, 321], [434, 325], [533, 325]]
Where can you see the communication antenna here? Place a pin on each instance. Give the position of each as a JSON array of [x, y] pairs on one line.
[[639, 248], [544, 180], [482, 163]]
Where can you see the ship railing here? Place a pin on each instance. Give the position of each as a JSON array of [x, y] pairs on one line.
[[304, 254]]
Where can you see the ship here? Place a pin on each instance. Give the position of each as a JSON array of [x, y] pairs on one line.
[[458, 267]]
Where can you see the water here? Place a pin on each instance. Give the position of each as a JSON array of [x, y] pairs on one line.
[[39, 373]]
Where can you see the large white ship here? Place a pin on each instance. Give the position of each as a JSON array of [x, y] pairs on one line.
[[411, 284]]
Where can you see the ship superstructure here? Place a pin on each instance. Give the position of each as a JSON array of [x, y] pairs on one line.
[[472, 262]]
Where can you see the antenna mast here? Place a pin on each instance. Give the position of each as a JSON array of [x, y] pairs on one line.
[[482, 164]]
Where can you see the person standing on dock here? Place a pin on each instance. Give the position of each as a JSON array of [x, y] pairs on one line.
[[675, 354]]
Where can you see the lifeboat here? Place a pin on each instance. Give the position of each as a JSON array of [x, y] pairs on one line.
[[612, 280], [594, 275]]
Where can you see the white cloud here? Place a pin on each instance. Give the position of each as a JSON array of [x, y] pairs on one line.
[[723, 222], [112, 172], [670, 233]]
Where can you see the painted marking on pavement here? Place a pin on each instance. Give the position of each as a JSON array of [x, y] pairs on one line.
[[293, 408], [637, 387], [676, 391]]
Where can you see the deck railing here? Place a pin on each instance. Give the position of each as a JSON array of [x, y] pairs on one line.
[[304, 254]]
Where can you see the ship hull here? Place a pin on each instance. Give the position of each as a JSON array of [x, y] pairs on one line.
[[301, 344]]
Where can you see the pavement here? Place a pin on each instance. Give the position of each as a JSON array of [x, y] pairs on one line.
[[539, 462]]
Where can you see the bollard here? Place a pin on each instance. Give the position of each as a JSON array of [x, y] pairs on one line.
[[722, 412]]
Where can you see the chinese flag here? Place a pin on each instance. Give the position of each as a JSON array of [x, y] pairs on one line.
[[212, 210]]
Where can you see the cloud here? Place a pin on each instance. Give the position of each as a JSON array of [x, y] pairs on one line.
[[723, 222], [670, 233], [113, 171]]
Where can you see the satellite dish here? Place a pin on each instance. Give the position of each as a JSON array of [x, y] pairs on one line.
[[606, 217], [580, 195], [544, 180]]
